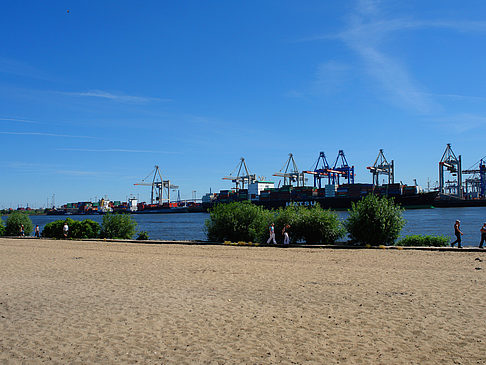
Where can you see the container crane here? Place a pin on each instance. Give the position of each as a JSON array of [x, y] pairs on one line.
[[452, 164], [320, 171], [291, 172], [477, 183], [323, 170], [343, 170], [242, 177], [382, 167], [159, 186]]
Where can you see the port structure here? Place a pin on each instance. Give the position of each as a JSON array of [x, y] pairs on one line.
[[321, 171], [242, 177], [290, 173], [382, 167], [343, 170], [476, 184], [453, 165], [159, 186]]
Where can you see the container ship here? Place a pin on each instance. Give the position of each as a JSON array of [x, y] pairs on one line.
[[330, 197]]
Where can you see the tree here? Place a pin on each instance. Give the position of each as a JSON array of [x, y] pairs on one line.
[[77, 229], [239, 221], [375, 221], [121, 226], [15, 220]]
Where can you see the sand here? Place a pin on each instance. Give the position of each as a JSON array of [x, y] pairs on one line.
[[98, 302]]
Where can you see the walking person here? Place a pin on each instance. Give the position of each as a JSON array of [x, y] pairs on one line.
[[458, 233], [285, 233], [271, 231], [483, 235], [65, 229], [37, 231], [22, 231]]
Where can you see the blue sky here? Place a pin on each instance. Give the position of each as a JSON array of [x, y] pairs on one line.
[[93, 98]]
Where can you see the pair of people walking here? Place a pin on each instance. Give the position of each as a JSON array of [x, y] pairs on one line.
[[285, 234], [458, 233]]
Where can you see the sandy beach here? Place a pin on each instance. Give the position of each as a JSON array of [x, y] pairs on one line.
[[98, 302]]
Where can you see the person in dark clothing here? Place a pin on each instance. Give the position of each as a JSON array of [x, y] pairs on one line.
[[483, 235], [458, 233]]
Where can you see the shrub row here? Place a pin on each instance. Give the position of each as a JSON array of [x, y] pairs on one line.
[[121, 226], [243, 221], [424, 241], [373, 220], [77, 229]]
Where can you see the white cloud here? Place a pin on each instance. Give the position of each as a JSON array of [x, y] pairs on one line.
[[20, 120], [460, 123], [46, 135], [14, 67], [113, 150], [115, 97], [368, 28], [77, 173]]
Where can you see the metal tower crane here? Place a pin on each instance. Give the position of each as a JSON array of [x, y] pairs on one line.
[[382, 167], [243, 176], [158, 185], [476, 183], [343, 170], [291, 172], [321, 170], [452, 164]]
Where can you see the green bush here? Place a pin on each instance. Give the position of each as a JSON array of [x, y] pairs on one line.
[[2, 228], [243, 221], [375, 221], [309, 224], [316, 225], [83, 229], [77, 229], [121, 226], [143, 236], [288, 215], [14, 220], [239, 221], [424, 241]]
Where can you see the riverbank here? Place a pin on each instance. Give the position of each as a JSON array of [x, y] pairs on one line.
[[107, 302]]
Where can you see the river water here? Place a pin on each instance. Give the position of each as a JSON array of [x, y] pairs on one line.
[[190, 226]]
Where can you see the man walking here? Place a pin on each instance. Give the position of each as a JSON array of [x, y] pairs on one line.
[[285, 232], [458, 234], [271, 231], [483, 235]]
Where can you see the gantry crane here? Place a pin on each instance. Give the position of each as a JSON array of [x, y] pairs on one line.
[[343, 170], [158, 185], [476, 183], [242, 177], [321, 170], [291, 173], [382, 167], [452, 164]]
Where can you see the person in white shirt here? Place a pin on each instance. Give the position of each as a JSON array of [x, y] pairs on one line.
[[271, 231], [65, 229]]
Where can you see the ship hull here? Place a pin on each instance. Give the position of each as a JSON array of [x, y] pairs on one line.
[[416, 201]]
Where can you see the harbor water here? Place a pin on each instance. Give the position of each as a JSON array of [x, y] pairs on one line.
[[190, 226]]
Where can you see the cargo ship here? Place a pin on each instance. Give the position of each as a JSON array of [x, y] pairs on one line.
[[176, 207], [337, 197]]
